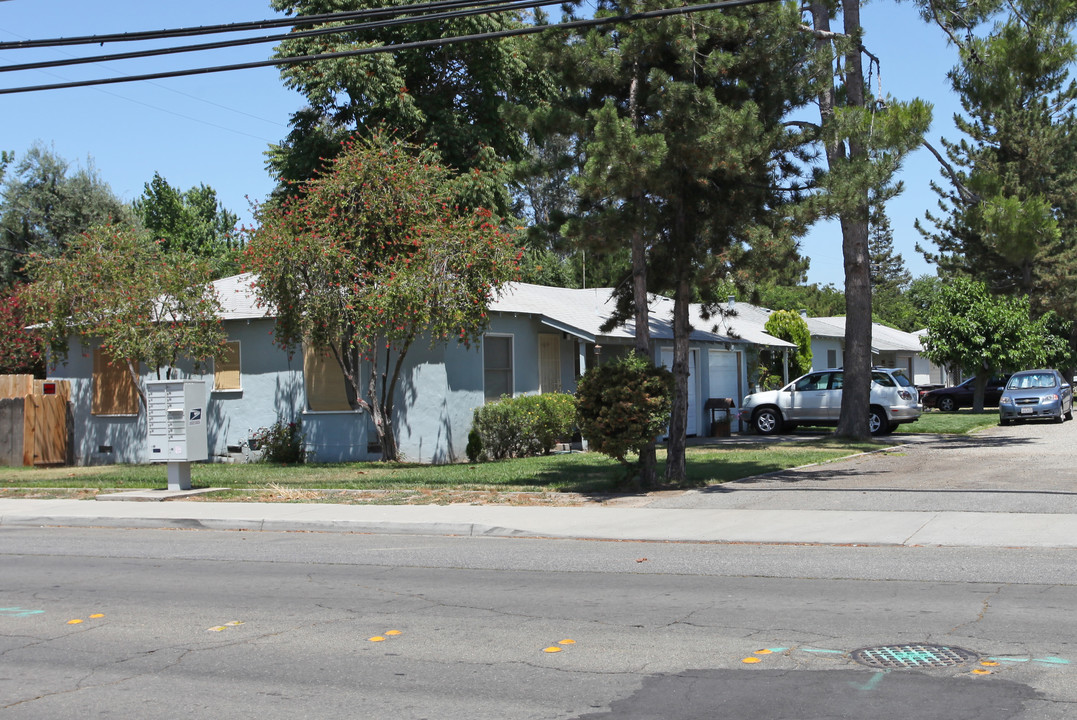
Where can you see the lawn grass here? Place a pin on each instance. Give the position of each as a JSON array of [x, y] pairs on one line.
[[961, 422], [572, 473]]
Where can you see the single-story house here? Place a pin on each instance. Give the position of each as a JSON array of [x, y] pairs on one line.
[[890, 347], [540, 339]]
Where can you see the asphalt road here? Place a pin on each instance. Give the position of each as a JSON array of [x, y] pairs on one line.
[[204, 624], [1022, 468]]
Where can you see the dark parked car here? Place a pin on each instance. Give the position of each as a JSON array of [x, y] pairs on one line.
[[1032, 394], [959, 396]]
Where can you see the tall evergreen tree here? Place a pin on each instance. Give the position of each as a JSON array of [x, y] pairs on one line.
[[864, 140], [1009, 212], [685, 145]]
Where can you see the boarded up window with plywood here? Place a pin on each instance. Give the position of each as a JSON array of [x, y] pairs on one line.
[[226, 368], [114, 390], [549, 363], [327, 390]]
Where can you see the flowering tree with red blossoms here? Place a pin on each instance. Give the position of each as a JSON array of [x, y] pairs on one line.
[[20, 350], [141, 303], [372, 256]]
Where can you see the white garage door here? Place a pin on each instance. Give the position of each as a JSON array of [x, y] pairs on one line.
[[723, 369]]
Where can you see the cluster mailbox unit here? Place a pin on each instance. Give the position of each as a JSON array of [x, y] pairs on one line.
[[176, 432]]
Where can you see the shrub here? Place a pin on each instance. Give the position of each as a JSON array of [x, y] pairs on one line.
[[522, 426], [623, 405], [282, 442]]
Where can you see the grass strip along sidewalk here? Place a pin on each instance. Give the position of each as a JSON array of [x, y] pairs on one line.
[[554, 479]]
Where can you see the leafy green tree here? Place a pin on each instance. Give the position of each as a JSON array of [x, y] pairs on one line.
[[142, 303], [685, 148], [824, 301], [45, 206], [193, 221], [790, 326], [459, 98], [986, 334], [370, 257], [864, 140], [1009, 213]]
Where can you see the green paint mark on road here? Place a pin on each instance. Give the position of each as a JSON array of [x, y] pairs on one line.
[[876, 678], [19, 612]]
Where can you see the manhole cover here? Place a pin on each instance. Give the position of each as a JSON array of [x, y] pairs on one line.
[[914, 656]]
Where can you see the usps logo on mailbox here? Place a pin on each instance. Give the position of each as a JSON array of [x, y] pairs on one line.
[[195, 417], [48, 388]]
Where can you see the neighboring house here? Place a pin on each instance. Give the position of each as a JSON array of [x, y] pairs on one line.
[[540, 339], [890, 347]]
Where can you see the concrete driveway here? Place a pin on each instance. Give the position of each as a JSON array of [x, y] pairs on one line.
[[1022, 468]]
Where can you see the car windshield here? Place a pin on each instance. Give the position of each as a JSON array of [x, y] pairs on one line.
[[1032, 380]]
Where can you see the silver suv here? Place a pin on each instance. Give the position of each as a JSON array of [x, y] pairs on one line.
[[815, 399]]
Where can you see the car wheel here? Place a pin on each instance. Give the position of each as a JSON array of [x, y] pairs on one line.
[[946, 404], [767, 421], [1069, 414], [877, 422]]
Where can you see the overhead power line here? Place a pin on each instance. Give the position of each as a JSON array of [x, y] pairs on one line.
[[376, 25], [295, 21], [303, 59]]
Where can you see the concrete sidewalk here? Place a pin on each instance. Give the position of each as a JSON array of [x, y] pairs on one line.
[[827, 527]]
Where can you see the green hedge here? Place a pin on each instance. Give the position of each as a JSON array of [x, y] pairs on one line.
[[521, 426]]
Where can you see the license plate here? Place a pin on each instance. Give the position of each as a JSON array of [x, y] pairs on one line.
[[1026, 411]]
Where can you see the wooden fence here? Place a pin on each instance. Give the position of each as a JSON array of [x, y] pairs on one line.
[[34, 421]]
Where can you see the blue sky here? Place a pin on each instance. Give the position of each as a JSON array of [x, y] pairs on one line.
[[215, 129]]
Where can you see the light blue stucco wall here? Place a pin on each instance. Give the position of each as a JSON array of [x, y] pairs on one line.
[[439, 388]]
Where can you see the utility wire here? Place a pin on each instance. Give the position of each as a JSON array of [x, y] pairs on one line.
[[394, 22], [302, 59], [298, 20]]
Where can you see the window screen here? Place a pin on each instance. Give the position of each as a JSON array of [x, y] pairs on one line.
[[497, 366]]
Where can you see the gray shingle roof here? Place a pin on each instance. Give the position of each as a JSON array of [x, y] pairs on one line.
[[577, 312]]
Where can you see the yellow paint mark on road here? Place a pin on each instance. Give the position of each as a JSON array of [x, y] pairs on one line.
[[990, 663], [233, 623], [377, 638], [73, 622], [751, 660], [764, 651], [97, 615], [981, 671], [218, 628], [567, 642], [551, 649], [392, 632]]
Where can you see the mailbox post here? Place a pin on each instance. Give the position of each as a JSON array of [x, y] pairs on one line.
[[176, 427]]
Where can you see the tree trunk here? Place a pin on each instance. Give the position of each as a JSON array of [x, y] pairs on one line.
[[853, 420], [648, 461], [676, 467], [979, 388]]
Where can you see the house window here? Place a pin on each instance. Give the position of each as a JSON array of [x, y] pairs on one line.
[[327, 390], [497, 366], [831, 358], [549, 363], [114, 390], [226, 368]]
